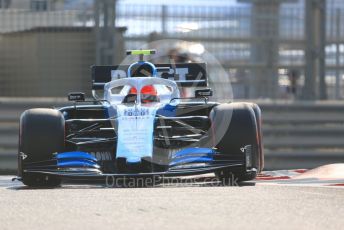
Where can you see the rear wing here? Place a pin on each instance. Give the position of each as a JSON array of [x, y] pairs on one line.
[[184, 74]]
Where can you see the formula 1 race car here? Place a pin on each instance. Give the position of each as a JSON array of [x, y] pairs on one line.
[[141, 127]]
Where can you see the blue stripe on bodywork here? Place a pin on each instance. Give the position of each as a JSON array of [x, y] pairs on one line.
[[188, 160], [76, 159], [194, 151], [75, 155], [77, 163], [167, 111], [192, 155]]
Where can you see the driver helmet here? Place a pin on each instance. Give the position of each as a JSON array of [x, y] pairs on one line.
[[148, 93]]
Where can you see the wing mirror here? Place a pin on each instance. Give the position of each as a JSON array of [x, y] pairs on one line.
[[201, 93], [76, 96]]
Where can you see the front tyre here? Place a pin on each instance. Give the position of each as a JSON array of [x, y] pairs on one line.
[[41, 134], [239, 140]]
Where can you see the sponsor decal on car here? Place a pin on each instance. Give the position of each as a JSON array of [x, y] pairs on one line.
[[23, 155]]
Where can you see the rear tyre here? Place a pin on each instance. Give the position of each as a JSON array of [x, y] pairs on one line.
[[239, 140], [41, 134]]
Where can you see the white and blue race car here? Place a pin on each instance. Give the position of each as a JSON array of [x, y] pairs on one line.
[[141, 127]]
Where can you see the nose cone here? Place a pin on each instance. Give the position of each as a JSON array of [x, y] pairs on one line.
[[133, 160]]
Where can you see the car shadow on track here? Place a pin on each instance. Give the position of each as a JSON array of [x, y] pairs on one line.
[[164, 183]]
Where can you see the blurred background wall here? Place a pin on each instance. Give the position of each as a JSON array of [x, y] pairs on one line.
[[263, 45], [36, 63]]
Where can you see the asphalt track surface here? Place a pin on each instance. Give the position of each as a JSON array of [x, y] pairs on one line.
[[174, 206]]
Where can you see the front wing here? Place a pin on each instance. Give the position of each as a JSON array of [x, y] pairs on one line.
[[91, 174], [84, 166]]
